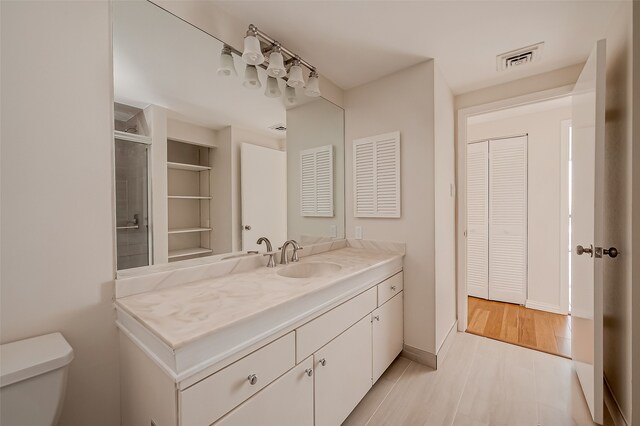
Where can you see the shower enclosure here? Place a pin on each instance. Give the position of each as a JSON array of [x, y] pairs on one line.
[[132, 200]]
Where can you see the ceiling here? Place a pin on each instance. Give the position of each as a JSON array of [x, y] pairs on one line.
[[354, 42], [159, 59]]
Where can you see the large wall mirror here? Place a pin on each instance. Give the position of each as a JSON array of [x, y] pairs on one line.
[[205, 166]]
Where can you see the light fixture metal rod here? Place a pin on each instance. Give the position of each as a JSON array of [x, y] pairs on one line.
[[271, 40]]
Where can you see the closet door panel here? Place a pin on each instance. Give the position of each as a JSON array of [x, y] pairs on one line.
[[478, 219], [508, 220]]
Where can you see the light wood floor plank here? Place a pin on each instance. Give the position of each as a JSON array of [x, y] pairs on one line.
[[481, 382], [543, 331]]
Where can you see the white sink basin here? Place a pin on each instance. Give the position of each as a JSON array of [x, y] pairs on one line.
[[309, 269]]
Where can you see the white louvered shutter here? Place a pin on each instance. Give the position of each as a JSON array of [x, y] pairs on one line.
[[478, 219], [376, 176], [508, 220], [316, 182]]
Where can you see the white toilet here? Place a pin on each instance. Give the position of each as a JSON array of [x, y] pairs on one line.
[[33, 380]]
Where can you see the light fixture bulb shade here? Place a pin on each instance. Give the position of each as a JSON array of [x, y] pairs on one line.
[[251, 80], [273, 89], [252, 54], [296, 79], [290, 95], [227, 67], [313, 86], [276, 65]]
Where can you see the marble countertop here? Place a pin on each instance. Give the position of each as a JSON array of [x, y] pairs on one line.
[[183, 314]]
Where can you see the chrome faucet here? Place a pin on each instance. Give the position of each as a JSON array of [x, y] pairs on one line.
[[272, 261], [283, 252]]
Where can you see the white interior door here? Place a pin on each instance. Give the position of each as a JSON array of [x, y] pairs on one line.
[[508, 220], [263, 185], [587, 230], [478, 219]]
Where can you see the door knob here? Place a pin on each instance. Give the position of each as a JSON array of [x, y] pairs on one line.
[[611, 252], [253, 379], [247, 227], [580, 250], [309, 372], [323, 362]]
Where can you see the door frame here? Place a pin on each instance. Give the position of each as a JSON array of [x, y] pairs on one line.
[[461, 176]]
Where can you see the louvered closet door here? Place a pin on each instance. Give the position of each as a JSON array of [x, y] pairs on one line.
[[508, 220], [478, 219]]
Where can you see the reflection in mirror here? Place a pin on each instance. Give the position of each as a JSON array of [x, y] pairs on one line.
[[205, 166]]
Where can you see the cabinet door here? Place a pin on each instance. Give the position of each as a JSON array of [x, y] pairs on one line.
[[343, 374], [287, 401], [388, 334]]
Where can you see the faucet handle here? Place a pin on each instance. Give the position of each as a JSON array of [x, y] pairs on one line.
[[294, 256], [272, 261]]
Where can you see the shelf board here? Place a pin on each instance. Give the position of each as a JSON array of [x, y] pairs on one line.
[[132, 137], [186, 230], [185, 166], [188, 197], [174, 254]]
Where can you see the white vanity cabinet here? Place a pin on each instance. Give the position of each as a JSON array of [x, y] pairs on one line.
[[387, 334], [314, 372], [343, 374], [287, 401]]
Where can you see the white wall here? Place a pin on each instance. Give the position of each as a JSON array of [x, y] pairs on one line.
[[404, 101], [57, 247], [445, 206], [310, 125], [618, 306], [544, 221]]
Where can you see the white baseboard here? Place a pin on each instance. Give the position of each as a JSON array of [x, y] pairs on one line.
[[446, 345], [555, 309], [427, 358], [612, 406], [420, 356]]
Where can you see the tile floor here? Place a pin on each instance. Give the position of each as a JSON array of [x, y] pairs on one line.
[[481, 382]]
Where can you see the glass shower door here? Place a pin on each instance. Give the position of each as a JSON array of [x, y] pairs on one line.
[[132, 203]]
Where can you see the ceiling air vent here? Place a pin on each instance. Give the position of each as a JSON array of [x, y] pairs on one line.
[[279, 127], [519, 57]]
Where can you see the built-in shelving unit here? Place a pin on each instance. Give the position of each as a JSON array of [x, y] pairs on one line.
[[189, 200], [188, 197], [184, 166], [188, 252], [186, 230]]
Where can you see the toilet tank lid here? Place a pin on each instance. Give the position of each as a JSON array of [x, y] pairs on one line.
[[27, 358]]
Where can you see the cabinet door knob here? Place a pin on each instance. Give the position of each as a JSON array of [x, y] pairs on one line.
[[323, 362], [309, 372], [253, 379], [393, 288], [377, 318]]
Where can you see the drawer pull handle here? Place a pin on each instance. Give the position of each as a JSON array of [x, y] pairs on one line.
[[323, 362], [393, 288], [253, 379], [377, 318], [309, 372]]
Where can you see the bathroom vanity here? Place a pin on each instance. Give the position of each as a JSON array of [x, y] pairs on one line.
[[298, 344]]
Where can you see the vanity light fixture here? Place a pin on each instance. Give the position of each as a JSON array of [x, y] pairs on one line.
[[227, 67], [251, 79], [279, 62], [313, 85], [290, 95], [276, 63], [273, 89], [296, 79], [252, 54]]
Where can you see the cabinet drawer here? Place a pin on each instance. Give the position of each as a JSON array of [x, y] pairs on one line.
[[211, 398], [287, 401], [318, 332], [389, 288]]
